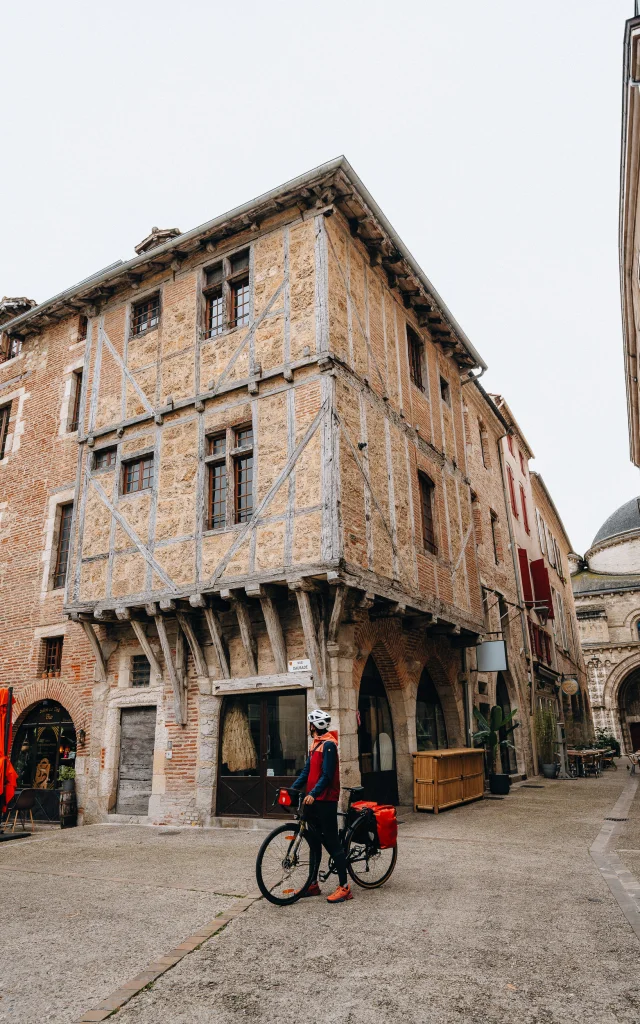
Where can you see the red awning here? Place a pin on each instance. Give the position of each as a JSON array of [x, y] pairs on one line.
[[541, 585], [525, 576]]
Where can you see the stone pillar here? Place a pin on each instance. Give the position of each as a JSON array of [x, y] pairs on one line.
[[209, 708], [343, 703]]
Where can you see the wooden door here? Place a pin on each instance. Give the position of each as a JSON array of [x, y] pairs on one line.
[[135, 773], [634, 729]]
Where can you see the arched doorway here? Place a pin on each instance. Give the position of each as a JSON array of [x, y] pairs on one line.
[[431, 729], [45, 742], [376, 746], [507, 754], [629, 705]]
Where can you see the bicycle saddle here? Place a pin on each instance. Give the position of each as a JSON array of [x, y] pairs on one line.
[[353, 789]]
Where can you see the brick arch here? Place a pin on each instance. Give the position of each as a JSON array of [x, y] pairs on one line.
[[453, 713], [48, 689], [381, 639]]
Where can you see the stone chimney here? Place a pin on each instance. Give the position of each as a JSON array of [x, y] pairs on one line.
[[157, 237], [9, 308]]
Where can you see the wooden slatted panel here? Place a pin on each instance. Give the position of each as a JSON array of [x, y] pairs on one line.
[[137, 740], [446, 778]]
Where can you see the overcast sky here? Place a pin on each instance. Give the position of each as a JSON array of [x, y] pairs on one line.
[[489, 133]]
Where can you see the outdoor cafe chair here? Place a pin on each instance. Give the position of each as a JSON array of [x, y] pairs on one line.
[[22, 806]]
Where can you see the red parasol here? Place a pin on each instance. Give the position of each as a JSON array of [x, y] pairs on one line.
[[8, 776]]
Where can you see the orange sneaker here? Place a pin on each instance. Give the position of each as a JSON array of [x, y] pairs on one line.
[[342, 893], [313, 890]]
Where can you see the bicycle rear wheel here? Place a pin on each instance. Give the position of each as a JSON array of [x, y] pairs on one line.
[[368, 865], [286, 865]]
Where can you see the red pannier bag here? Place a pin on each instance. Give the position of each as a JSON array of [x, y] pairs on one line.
[[387, 824], [386, 821]]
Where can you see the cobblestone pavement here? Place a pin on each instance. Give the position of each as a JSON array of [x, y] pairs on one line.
[[496, 913]]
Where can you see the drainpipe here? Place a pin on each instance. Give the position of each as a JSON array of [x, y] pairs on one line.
[[523, 623]]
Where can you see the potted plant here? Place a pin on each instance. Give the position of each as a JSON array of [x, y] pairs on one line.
[[489, 735], [546, 729], [67, 778]]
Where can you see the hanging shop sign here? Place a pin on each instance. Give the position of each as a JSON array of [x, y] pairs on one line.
[[491, 656], [570, 687]]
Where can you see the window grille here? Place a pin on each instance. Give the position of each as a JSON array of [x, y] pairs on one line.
[[146, 314], [140, 670], [5, 416], [138, 475], [53, 655], [427, 490], [62, 553]]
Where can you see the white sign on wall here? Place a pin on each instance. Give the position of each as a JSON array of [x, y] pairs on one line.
[[300, 665]]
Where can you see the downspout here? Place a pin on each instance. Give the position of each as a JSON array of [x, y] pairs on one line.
[[525, 631]]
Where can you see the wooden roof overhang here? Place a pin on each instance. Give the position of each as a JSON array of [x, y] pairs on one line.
[[333, 185]]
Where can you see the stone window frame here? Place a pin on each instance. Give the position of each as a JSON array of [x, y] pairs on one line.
[[12, 440], [230, 457], [73, 380], [428, 519], [110, 448], [131, 697], [445, 390], [125, 670], [51, 538], [228, 278]]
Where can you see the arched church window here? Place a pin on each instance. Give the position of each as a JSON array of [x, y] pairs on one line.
[[431, 730]]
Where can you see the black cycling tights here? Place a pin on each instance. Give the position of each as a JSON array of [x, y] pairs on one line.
[[323, 814]]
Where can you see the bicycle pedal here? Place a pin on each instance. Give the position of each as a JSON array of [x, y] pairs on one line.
[[323, 875]]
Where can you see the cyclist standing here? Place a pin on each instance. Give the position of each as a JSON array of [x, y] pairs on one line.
[[321, 779]]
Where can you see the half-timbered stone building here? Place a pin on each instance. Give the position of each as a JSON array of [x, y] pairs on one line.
[[235, 485]]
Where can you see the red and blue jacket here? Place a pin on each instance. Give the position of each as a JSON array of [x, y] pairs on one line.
[[321, 773]]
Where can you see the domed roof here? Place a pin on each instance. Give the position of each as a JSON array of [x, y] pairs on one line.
[[624, 519]]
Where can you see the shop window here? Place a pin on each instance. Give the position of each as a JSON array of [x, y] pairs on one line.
[[137, 475], [416, 356], [104, 458], [52, 655], [145, 315], [427, 493], [76, 394], [5, 416], [140, 670], [227, 294], [62, 550], [44, 743], [431, 731]]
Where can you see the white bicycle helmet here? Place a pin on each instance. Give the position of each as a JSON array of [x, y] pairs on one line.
[[321, 719]]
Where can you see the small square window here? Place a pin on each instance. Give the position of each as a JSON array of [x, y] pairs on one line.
[[104, 458], [146, 315], [76, 394], [137, 475], [140, 670], [83, 325], [445, 391]]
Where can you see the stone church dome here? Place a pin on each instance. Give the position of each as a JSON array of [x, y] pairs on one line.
[[616, 546], [624, 519]]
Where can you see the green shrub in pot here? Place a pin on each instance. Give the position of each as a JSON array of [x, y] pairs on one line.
[[489, 735]]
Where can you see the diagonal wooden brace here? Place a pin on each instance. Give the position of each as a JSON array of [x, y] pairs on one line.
[[96, 648], [311, 643], [177, 685], [246, 631], [198, 656], [143, 640], [217, 639]]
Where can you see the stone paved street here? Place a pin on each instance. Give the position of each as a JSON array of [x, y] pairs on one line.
[[496, 913]]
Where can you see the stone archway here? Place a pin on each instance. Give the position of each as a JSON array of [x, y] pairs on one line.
[[611, 698], [629, 710], [49, 689]]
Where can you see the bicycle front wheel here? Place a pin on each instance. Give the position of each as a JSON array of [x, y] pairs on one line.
[[286, 865], [368, 865]]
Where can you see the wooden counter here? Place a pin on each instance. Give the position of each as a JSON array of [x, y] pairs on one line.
[[445, 778]]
